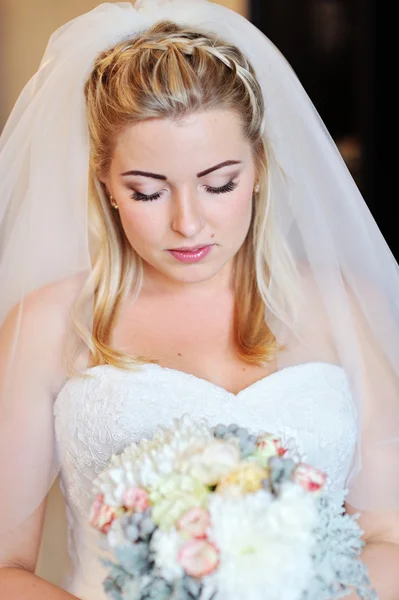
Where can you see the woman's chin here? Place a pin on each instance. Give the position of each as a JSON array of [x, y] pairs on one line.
[[191, 274], [184, 273]]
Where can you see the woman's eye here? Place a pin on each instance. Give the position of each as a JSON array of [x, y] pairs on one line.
[[229, 187], [145, 197]]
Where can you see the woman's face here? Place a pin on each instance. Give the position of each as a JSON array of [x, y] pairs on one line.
[[184, 193]]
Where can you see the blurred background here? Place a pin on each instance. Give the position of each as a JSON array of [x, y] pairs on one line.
[[331, 44], [344, 53]]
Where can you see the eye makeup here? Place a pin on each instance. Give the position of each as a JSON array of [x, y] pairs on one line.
[[228, 187]]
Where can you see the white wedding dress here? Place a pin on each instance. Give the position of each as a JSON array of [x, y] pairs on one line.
[[98, 416]]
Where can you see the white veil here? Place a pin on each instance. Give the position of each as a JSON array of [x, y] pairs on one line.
[[330, 232]]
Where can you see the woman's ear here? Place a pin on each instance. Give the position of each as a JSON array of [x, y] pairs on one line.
[[104, 184]]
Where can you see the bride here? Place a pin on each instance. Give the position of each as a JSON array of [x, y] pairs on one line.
[[180, 235]]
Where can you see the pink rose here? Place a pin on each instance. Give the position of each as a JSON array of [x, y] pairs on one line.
[[194, 523], [269, 445], [101, 515], [136, 499], [310, 478], [198, 558]]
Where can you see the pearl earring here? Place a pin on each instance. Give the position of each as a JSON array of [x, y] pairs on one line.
[[257, 188], [113, 203]]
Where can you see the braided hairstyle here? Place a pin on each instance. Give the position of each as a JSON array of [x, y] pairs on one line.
[[172, 71], [168, 72]]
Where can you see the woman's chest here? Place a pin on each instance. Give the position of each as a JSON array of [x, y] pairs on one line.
[[101, 415], [192, 342]]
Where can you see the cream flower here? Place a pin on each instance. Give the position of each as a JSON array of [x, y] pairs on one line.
[[148, 463], [213, 462], [270, 546], [174, 496], [268, 445], [246, 478]]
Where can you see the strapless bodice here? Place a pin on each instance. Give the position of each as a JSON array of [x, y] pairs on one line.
[[98, 415]]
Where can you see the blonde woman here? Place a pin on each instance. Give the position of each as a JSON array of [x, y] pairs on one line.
[[179, 235]]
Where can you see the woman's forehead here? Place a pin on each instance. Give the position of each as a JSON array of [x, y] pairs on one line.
[[194, 142], [219, 129]]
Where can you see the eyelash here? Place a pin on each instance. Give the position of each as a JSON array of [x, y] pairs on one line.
[[229, 187]]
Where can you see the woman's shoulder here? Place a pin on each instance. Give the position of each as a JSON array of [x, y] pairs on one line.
[[39, 324], [48, 303]]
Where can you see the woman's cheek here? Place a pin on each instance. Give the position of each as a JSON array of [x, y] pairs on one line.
[[242, 207], [139, 226]]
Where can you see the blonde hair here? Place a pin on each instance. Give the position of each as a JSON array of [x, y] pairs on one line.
[[171, 71]]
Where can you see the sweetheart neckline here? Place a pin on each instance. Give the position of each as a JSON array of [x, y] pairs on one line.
[[262, 380]]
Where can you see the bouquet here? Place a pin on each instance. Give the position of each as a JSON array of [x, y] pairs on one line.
[[220, 514]]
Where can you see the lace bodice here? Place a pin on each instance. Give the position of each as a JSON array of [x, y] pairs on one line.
[[99, 415]]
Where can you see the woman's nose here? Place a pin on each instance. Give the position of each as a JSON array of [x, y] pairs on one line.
[[188, 218]]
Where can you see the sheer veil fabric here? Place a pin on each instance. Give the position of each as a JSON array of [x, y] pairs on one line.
[[350, 277]]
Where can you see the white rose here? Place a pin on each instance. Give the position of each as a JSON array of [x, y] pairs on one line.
[[214, 462]]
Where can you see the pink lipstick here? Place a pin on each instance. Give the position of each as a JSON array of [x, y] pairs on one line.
[[191, 255]]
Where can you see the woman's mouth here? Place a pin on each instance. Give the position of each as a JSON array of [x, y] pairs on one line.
[[191, 255]]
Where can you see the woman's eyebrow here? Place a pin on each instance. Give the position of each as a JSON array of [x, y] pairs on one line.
[[144, 174], [226, 163]]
